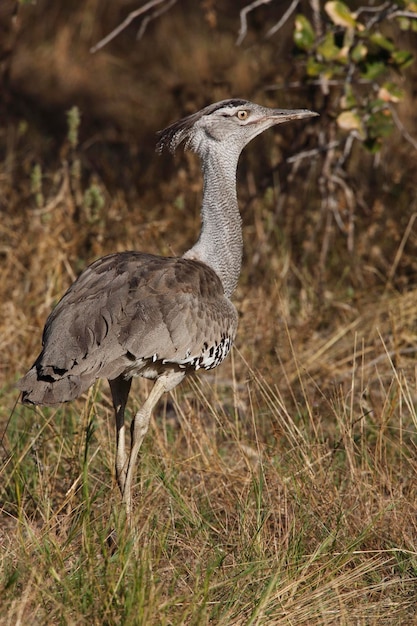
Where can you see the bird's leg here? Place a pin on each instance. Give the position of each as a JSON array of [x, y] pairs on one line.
[[139, 428], [120, 388]]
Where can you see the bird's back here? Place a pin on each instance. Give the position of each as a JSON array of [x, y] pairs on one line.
[[133, 314]]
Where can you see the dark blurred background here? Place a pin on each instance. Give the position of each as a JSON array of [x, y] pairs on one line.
[[325, 219]]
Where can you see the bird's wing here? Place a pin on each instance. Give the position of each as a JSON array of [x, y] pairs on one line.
[[131, 307], [177, 313]]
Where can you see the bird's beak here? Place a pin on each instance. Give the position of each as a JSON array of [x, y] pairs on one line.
[[278, 116]]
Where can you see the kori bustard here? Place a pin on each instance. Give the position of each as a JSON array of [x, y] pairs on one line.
[[135, 314]]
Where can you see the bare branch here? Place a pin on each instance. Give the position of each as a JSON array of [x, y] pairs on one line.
[[349, 228], [283, 19], [129, 19], [402, 128], [243, 18], [318, 26], [155, 14], [412, 15], [401, 247], [378, 9], [309, 154], [347, 149], [385, 11]]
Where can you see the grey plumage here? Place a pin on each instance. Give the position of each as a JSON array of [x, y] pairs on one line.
[[135, 314], [129, 313]]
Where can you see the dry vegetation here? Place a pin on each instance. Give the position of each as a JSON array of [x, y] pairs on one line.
[[280, 489]]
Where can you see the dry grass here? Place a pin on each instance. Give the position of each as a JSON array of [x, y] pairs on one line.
[[253, 507], [280, 489]]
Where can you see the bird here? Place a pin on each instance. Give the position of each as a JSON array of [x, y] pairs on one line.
[[162, 318]]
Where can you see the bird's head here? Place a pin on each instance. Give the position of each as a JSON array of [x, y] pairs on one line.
[[231, 123]]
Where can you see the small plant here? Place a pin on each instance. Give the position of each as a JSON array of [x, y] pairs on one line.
[[356, 59], [74, 120], [36, 185], [353, 51], [93, 203]]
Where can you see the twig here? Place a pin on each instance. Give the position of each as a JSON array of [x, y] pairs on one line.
[[243, 18], [283, 19], [402, 128], [315, 7], [378, 9], [132, 15], [307, 154], [346, 150], [401, 247], [154, 15], [348, 229], [410, 14]]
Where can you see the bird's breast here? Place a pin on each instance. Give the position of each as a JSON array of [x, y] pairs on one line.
[[209, 357]]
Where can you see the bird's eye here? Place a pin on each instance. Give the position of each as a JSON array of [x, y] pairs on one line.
[[242, 114]]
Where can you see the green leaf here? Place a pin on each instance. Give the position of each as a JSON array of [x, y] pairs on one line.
[[340, 14], [349, 120], [314, 68], [348, 100], [373, 70], [359, 52], [390, 92], [402, 58], [404, 23], [304, 35], [379, 40], [328, 49], [380, 124]]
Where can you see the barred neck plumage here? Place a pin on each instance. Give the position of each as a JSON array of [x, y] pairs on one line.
[[220, 243], [218, 133]]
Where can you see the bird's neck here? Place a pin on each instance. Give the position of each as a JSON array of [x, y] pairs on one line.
[[220, 243]]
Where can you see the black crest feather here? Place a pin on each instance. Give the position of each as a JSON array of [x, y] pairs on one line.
[[180, 131]]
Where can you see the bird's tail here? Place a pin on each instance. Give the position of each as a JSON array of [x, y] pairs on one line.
[[39, 389]]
